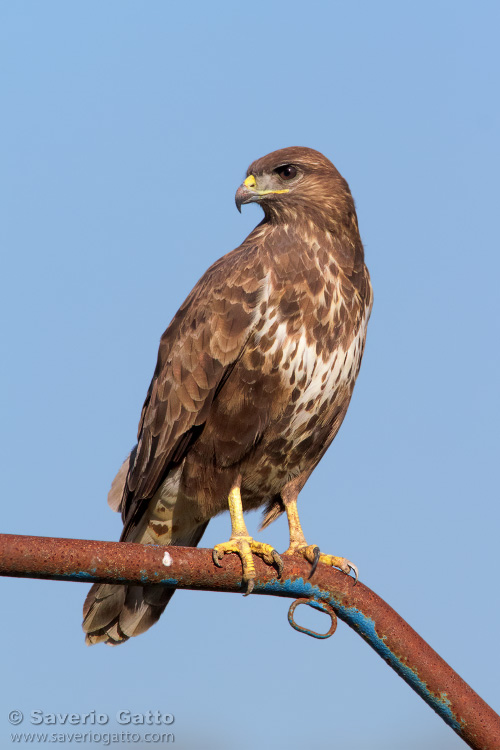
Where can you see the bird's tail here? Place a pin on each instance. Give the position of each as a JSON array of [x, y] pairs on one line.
[[113, 613]]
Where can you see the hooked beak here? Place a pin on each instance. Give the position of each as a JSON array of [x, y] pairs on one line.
[[248, 192]]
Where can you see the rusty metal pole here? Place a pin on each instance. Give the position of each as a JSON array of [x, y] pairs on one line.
[[185, 567]]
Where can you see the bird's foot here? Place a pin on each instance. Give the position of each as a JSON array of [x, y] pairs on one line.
[[244, 546], [313, 555]]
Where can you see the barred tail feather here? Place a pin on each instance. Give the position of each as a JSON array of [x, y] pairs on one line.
[[113, 613]]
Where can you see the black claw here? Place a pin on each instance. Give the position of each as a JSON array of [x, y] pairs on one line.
[[250, 587], [355, 571], [215, 558], [314, 562], [279, 562]]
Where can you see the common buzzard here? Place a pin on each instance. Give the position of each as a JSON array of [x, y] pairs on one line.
[[253, 379]]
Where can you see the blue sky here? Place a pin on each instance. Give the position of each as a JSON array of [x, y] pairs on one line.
[[126, 129]]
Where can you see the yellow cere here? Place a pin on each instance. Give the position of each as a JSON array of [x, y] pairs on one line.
[[251, 183]]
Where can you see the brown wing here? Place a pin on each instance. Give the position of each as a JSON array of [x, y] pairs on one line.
[[197, 353]]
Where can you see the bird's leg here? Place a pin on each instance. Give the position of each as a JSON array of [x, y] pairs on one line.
[[298, 544], [243, 544]]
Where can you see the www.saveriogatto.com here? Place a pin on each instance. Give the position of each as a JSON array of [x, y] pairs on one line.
[[151, 727]]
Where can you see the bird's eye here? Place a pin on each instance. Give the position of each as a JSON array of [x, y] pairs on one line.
[[286, 172]]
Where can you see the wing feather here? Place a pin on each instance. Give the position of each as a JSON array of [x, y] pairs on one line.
[[196, 354]]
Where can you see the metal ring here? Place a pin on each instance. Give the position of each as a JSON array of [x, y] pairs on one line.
[[315, 604]]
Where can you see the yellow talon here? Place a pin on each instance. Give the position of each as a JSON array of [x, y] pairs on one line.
[[298, 545], [312, 554], [244, 545]]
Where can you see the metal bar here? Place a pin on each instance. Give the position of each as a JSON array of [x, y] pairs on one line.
[[185, 567]]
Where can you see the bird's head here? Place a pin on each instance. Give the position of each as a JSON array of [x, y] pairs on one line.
[[293, 182]]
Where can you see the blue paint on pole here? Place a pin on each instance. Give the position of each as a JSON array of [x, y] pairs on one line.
[[365, 626]]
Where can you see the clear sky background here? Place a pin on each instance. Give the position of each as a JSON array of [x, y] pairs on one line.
[[125, 129]]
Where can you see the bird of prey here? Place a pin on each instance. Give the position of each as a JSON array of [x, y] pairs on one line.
[[253, 379]]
